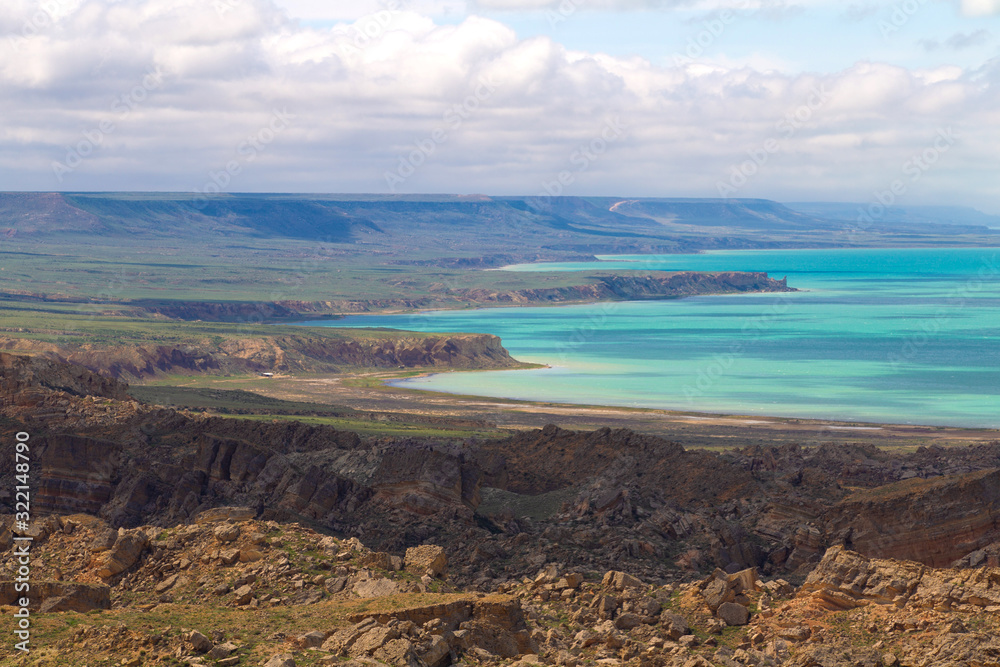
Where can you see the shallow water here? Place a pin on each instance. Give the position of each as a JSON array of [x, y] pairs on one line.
[[904, 336]]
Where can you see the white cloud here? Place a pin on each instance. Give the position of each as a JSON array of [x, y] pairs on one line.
[[513, 112], [980, 7]]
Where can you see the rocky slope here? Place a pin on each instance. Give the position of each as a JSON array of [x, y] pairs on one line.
[[560, 501], [225, 589], [282, 353], [657, 285]]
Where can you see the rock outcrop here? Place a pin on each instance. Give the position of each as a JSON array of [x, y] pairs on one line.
[[927, 520]]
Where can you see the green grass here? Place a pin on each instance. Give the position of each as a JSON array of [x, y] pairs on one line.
[[369, 427], [233, 401]]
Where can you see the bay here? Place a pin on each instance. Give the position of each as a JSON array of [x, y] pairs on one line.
[[887, 335]]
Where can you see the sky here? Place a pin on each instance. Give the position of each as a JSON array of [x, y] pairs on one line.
[[793, 100]]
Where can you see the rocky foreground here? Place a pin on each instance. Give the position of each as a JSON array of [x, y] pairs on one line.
[[562, 547], [227, 590]]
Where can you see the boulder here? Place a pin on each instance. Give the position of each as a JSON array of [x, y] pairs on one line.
[[376, 588], [199, 642], [674, 625], [733, 614], [379, 560], [242, 595], [224, 513], [437, 653], [797, 633], [222, 651], [426, 559], [124, 554], [717, 593], [281, 660], [55, 596], [226, 533], [372, 640], [620, 581], [628, 621], [311, 639]]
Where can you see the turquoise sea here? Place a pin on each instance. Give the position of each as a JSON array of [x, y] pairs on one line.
[[901, 336]]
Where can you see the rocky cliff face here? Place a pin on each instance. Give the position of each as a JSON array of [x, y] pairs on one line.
[[288, 353], [661, 285], [602, 497], [620, 288], [22, 376], [935, 521]]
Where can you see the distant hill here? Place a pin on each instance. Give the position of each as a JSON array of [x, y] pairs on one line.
[[421, 228], [921, 215]]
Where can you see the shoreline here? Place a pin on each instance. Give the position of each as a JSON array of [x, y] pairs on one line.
[[368, 391], [828, 422]]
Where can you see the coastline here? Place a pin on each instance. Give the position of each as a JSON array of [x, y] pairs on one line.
[[372, 391]]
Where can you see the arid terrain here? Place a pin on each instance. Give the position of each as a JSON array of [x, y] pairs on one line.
[[171, 537]]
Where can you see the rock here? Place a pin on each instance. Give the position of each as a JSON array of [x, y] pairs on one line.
[[223, 513], [199, 642], [226, 533], [229, 556], [698, 661], [931, 521], [55, 596], [372, 640], [628, 621], [397, 652], [733, 614], [426, 559], [779, 588], [281, 660], [797, 633], [342, 640], [890, 660], [166, 584], [718, 592], [311, 639], [379, 560], [620, 581], [674, 625], [437, 653], [242, 595], [744, 580], [250, 555], [221, 651], [376, 588], [335, 584], [124, 554]]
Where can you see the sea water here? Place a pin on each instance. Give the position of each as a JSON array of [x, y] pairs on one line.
[[899, 335]]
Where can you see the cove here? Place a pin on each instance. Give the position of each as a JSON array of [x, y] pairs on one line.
[[875, 335]]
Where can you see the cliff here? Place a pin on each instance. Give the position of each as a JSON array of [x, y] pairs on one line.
[[624, 288], [280, 353]]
